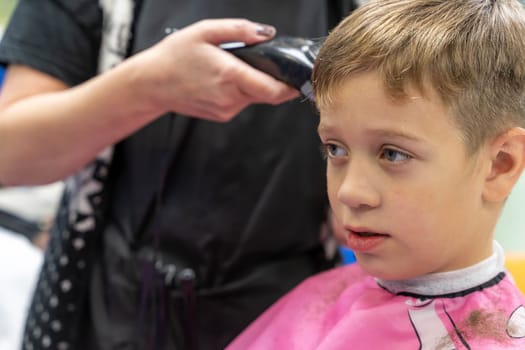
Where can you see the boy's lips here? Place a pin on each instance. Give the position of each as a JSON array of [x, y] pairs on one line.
[[363, 239]]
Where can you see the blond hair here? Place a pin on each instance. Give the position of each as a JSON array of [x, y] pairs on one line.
[[470, 52]]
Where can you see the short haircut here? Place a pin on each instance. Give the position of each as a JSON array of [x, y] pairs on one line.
[[470, 52]]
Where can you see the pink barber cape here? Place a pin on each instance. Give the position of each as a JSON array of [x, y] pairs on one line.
[[475, 308]]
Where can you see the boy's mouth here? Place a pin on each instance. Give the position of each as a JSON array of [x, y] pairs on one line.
[[368, 234], [363, 232], [364, 240]]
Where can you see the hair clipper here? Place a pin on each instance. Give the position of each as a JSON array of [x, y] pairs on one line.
[[288, 59]]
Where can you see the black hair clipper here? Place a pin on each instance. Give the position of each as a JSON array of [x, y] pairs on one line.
[[288, 59]]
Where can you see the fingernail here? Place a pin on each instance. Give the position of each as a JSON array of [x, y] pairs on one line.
[[265, 30]]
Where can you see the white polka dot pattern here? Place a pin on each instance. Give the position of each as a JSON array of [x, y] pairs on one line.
[[56, 310]]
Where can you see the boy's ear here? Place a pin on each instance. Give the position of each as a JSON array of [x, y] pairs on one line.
[[507, 152]]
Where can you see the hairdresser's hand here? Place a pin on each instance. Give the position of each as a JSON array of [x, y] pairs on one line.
[[49, 130], [189, 74]]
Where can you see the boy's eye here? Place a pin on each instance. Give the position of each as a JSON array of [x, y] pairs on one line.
[[393, 155], [331, 150]]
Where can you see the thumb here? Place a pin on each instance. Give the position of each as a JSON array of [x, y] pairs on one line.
[[218, 31]]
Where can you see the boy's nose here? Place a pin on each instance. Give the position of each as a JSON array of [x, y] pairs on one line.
[[357, 190]]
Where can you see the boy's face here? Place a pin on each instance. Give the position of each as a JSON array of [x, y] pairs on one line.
[[401, 183]]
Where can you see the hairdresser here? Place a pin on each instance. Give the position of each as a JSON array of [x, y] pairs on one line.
[[176, 229]]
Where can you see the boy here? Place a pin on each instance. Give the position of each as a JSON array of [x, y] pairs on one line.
[[422, 107]]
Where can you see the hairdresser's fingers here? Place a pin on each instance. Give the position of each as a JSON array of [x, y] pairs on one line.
[[262, 88], [254, 86], [218, 31]]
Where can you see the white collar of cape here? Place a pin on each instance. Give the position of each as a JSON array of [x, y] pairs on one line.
[[449, 282]]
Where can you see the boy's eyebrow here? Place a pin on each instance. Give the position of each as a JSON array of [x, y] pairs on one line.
[[392, 133]]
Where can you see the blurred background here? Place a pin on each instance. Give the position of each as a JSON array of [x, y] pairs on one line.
[[6, 6], [26, 212]]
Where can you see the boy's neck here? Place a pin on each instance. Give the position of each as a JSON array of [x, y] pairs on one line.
[[451, 282]]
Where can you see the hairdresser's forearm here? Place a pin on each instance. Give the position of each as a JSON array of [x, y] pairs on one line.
[[47, 137]]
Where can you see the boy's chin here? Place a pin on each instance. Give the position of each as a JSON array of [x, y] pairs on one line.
[[387, 273]]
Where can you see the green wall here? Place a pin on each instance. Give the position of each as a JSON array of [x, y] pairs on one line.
[[510, 231], [6, 6]]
